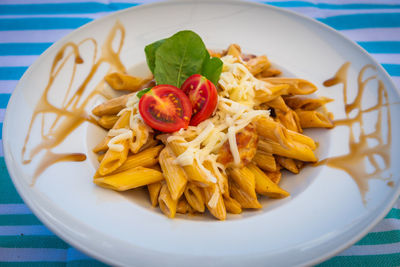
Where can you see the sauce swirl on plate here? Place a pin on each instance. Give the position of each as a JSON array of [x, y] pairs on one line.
[[72, 113], [360, 150]]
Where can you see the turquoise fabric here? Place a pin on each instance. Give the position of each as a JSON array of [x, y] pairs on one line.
[[29, 27]]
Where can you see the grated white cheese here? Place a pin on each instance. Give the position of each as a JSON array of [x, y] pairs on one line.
[[118, 136], [211, 134], [238, 84], [139, 131]]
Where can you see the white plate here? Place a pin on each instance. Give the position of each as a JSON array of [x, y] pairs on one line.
[[325, 213]]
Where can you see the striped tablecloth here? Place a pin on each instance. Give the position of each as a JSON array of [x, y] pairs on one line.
[[28, 27]]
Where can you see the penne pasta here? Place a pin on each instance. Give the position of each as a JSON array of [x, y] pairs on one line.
[[306, 103], [278, 103], [100, 157], [290, 120], [264, 185], [193, 172], [215, 202], [258, 64], [296, 150], [167, 204], [235, 51], [107, 121], [288, 164], [194, 197], [112, 106], [122, 122], [129, 179], [272, 130], [174, 175], [245, 179], [295, 86], [146, 158], [246, 201], [313, 119], [274, 176], [232, 206], [265, 161], [270, 72], [121, 81], [154, 191], [114, 159]]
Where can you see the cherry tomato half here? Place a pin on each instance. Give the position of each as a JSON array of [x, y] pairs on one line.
[[165, 108], [203, 95]]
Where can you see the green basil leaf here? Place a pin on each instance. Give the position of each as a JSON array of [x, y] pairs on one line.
[[179, 57], [142, 92], [150, 51], [212, 69]]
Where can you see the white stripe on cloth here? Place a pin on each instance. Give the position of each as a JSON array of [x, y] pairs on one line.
[[386, 225], [387, 58], [372, 250], [397, 204], [2, 114], [318, 13], [313, 12], [78, 15], [40, 254], [7, 209], [17, 230], [33, 36], [17, 61], [22, 2], [396, 81], [373, 34], [6, 87]]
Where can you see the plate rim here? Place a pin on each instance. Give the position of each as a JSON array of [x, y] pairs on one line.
[[57, 229]]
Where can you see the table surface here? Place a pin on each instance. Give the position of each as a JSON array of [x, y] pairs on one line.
[[24, 240]]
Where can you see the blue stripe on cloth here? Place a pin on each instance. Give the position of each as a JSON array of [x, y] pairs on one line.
[[14, 209], [332, 6], [17, 49], [8, 194], [386, 47], [17, 230], [367, 260], [392, 69], [41, 23], [358, 21], [17, 254], [4, 98], [62, 8], [12, 73], [393, 214], [377, 238], [73, 263]]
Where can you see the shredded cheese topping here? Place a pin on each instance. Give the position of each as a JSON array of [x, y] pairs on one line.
[[137, 132], [212, 133], [238, 83], [119, 135]]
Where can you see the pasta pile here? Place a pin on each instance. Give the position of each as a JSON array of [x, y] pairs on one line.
[[227, 161]]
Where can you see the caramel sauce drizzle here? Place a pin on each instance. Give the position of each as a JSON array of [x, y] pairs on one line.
[[72, 112], [353, 163]]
